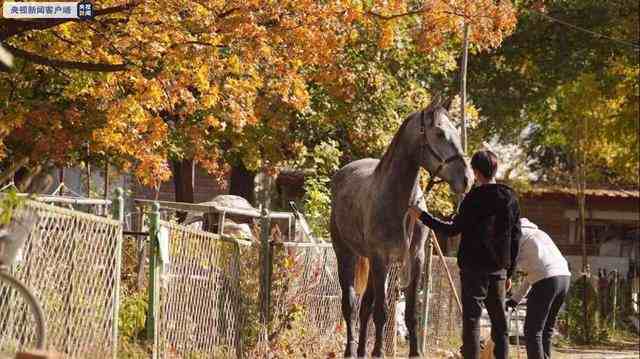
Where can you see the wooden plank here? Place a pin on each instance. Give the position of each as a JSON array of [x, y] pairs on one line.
[[204, 208]]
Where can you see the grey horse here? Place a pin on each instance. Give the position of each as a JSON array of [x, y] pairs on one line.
[[369, 200]]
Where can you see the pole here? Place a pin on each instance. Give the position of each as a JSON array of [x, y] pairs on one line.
[[118, 215], [265, 286], [154, 275], [106, 181], [88, 184], [426, 290], [615, 297], [88, 165], [434, 240], [463, 85], [61, 180], [515, 311]]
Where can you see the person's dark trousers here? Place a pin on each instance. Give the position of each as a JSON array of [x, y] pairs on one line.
[[543, 304], [487, 289]]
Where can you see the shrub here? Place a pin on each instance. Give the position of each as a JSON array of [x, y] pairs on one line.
[[580, 328]]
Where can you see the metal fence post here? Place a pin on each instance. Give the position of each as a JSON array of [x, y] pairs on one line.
[[615, 298], [265, 272], [154, 274], [426, 290], [118, 214]]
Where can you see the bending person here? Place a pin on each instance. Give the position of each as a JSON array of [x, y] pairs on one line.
[[547, 284]]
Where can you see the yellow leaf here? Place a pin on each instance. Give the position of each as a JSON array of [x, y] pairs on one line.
[[202, 77]]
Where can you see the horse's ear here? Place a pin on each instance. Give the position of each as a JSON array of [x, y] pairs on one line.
[[447, 103]]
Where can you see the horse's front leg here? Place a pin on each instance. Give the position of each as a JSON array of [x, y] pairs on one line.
[[410, 312], [366, 307], [380, 271], [346, 273]]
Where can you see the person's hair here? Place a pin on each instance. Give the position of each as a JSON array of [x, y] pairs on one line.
[[485, 162]]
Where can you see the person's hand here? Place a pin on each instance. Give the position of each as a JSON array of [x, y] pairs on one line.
[[415, 212], [511, 304], [507, 285]]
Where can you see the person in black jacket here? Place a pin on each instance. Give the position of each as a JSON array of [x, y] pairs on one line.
[[489, 220]]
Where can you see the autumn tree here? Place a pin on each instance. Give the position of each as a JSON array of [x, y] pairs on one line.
[[217, 83], [214, 79], [569, 73], [561, 45]]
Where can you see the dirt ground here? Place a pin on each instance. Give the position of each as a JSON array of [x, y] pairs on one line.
[[621, 349], [595, 354]]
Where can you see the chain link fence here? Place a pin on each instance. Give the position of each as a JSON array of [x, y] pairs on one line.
[[444, 320], [210, 301], [71, 263], [209, 293], [200, 306], [305, 316]]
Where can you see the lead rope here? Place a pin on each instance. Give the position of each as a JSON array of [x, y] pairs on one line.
[[432, 237]]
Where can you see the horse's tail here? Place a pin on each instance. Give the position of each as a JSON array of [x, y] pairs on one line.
[[362, 275]]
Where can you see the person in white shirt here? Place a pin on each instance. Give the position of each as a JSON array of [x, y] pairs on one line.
[[546, 283]]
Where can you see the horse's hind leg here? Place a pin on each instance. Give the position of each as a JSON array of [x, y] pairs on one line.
[[410, 312], [380, 270], [366, 307], [346, 274]]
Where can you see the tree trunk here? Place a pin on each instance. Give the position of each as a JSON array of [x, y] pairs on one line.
[[25, 181], [183, 180], [12, 169], [583, 227], [183, 183], [242, 183]]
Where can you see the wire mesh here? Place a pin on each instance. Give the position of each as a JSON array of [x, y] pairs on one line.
[[70, 264], [306, 303], [209, 302], [201, 298], [444, 322], [18, 324]]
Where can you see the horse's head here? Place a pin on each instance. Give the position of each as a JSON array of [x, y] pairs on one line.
[[438, 146]]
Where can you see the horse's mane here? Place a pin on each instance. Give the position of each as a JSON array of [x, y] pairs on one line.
[[393, 146], [385, 161]]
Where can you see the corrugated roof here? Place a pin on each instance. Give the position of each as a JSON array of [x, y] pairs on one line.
[[611, 193]]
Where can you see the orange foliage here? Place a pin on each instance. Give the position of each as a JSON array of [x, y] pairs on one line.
[[207, 79]]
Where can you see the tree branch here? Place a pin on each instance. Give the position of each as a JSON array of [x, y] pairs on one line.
[[12, 27], [227, 13], [394, 16], [201, 43], [85, 66], [415, 12]]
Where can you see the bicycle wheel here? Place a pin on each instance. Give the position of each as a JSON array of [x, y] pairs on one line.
[[22, 323]]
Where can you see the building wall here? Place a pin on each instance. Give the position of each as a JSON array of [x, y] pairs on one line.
[[555, 214], [206, 188]]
